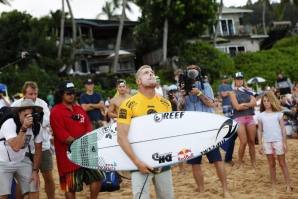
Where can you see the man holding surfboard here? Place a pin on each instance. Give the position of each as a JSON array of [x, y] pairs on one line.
[[143, 103], [200, 98]]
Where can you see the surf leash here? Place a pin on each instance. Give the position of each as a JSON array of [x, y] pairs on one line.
[[143, 186]]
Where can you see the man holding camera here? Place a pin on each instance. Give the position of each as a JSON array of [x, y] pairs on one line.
[[30, 91], [200, 98], [16, 133], [69, 121]]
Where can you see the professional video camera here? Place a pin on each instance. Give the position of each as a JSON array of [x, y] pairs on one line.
[[188, 78]]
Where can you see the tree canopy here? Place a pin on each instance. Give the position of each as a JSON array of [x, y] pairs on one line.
[[186, 19]]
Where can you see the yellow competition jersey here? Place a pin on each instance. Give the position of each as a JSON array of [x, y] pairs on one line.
[[139, 105]]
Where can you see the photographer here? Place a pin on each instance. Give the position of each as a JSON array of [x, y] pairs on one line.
[[3, 100], [16, 134], [30, 91], [198, 96]]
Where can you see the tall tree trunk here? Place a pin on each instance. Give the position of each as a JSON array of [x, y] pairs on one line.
[[61, 31], [118, 42], [74, 30], [263, 17], [74, 36], [165, 38], [217, 23]]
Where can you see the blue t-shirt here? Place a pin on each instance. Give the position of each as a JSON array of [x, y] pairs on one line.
[[224, 88], [95, 98], [194, 103]]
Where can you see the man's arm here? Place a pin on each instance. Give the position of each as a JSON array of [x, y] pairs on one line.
[[206, 100], [112, 113], [122, 132], [17, 143], [36, 163], [87, 107], [99, 105]]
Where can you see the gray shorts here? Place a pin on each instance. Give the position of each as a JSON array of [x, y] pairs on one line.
[[21, 171], [46, 163], [162, 183]]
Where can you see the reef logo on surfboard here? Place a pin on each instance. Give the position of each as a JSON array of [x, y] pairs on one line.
[[172, 115]]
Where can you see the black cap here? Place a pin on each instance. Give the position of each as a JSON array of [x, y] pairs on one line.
[[88, 81], [224, 77], [66, 85], [279, 72]]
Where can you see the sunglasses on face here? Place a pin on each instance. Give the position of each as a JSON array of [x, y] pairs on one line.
[[69, 92]]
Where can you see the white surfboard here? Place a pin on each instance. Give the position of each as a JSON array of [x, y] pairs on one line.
[[160, 139]]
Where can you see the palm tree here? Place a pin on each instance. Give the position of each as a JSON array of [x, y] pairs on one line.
[[217, 23], [74, 34], [264, 3], [118, 42], [117, 4], [109, 11], [279, 12], [165, 37], [61, 31], [5, 2]]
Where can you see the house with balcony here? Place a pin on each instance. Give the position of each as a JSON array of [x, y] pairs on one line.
[[233, 35], [98, 41]]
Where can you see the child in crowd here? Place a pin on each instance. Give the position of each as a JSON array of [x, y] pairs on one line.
[[271, 121]]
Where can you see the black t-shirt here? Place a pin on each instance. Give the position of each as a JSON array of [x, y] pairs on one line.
[[286, 105]]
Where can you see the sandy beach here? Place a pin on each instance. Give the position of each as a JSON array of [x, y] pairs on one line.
[[248, 183]]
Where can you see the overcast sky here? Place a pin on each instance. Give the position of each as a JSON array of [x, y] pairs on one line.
[[87, 9]]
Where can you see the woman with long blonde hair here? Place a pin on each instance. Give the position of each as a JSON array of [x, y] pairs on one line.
[[243, 103]]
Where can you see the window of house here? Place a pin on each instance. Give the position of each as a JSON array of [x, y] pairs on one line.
[[226, 27], [240, 21], [232, 50]]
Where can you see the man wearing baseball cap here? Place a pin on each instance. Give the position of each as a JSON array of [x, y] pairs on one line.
[[92, 102], [69, 121], [224, 90]]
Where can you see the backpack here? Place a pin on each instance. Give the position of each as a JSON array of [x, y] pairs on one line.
[[111, 182], [5, 114]]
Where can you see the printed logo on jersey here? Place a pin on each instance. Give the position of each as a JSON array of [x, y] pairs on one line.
[[130, 104], [82, 119], [150, 106], [123, 113], [164, 102], [162, 158], [151, 111], [185, 154], [26, 141], [171, 115]]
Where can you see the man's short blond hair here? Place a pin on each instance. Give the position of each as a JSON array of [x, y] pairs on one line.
[[140, 69], [27, 84]]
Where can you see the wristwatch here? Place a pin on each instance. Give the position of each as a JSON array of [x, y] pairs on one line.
[[37, 170]]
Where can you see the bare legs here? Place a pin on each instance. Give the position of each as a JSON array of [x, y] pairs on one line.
[[246, 136], [283, 166], [221, 172]]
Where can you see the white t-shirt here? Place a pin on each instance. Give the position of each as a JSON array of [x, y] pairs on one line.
[[2, 103], [271, 126], [46, 144], [7, 131], [159, 91]]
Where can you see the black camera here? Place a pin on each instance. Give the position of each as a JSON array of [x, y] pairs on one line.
[[75, 117], [171, 96], [188, 78]]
